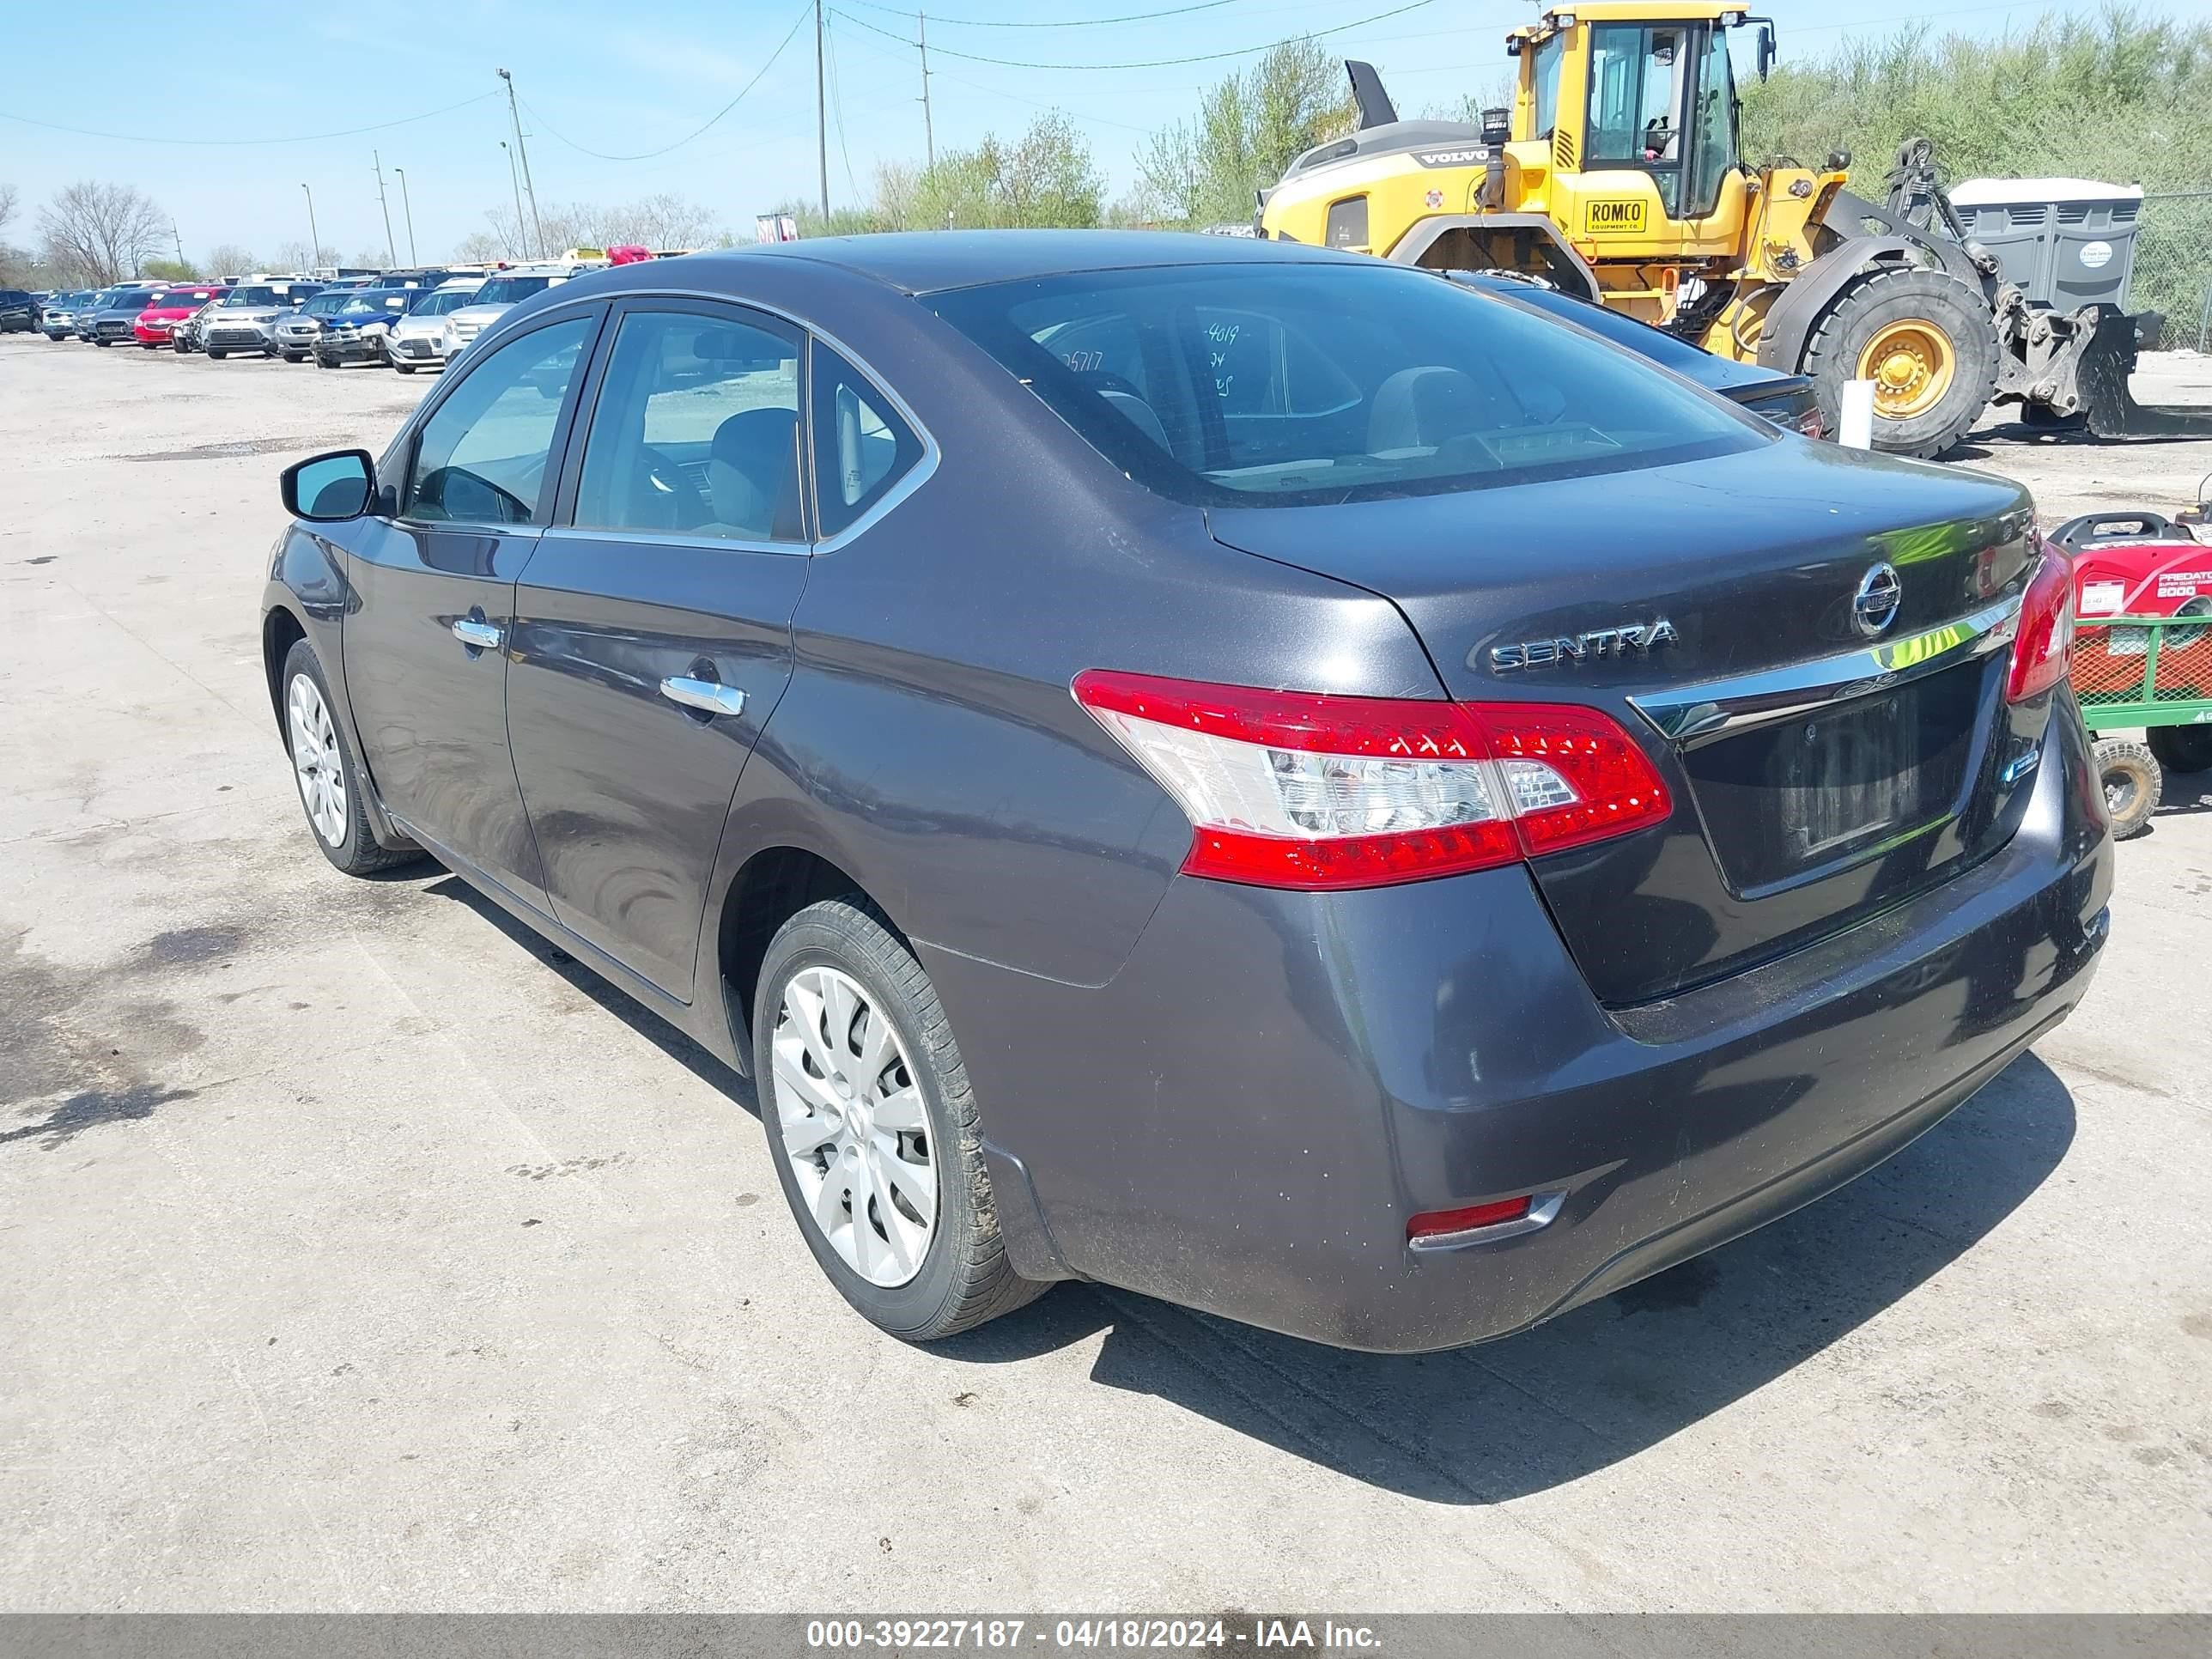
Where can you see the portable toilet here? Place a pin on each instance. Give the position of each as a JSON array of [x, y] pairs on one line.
[[2065, 243]]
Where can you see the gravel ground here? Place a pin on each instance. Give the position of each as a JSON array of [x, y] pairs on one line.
[[361, 1252]]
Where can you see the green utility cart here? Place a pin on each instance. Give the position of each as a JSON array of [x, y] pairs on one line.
[[2151, 674]]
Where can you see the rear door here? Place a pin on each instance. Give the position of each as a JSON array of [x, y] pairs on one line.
[[653, 627], [430, 628]]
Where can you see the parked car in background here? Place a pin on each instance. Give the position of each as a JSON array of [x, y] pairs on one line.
[[116, 323], [417, 340], [19, 311], [166, 309], [186, 335], [354, 332], [292, 335], [1398, 820], [57, 317], [240, 320], [500, 290], [1787, 400]]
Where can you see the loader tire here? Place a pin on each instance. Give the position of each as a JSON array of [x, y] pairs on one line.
[[1926, 341]]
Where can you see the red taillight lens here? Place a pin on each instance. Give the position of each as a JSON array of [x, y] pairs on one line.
[[1810, 423], [1299, 789], [1432, 1224], [2042, 647]]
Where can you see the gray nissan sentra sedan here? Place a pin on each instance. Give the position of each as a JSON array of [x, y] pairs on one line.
[[1248, 774]]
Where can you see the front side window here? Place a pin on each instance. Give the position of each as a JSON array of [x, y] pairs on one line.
[[1295, 384], [862, 448], [1636, 85], [481, 457], [696, 431]]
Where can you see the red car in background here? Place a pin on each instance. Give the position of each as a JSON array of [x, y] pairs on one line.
[[170, 308]]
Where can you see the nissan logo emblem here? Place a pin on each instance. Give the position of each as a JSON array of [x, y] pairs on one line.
[[1874, 607]]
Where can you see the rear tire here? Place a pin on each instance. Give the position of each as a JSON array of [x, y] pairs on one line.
[[908, 1075], [2181, 748], [216, 356], [2129, 774], [331, 790], [1935, 408]]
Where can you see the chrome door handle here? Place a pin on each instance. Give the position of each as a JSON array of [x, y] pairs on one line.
[[712, 695], [485, 637]]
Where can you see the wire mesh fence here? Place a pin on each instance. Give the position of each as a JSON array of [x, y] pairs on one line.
[[2174, 265]]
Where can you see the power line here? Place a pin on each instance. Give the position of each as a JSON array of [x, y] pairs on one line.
[[296, 138], [1064, 23], [837, 109], [1151, 63], [1000, 92], [806, 12]]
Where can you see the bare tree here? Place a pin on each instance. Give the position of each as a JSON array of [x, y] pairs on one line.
[[231, 260], [299, 256], [8, 203], [106, 230]]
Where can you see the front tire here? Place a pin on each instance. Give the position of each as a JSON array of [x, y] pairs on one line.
[[215, 356], [873, 1127], [1926, 341], [330, 788], [2129, 774]]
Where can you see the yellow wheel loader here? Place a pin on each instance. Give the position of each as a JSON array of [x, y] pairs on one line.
[[1617, 174]]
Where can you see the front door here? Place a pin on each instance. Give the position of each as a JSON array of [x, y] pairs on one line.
[[429, 625], [653, 627]]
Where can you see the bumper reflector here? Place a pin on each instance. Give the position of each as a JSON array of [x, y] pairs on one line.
[[1433, 1222]]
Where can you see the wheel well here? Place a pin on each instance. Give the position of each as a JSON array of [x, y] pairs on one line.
[[280, 632], [775, 884]]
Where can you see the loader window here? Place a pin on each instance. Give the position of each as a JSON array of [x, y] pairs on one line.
[[1637, 76], [1548, 84], [1712, 127]]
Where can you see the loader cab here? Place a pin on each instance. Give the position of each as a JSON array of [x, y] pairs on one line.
[[1620, 87]]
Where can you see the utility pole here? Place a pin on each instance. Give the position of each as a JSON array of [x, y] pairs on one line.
[[178, 236], [516, 179], [315, 236], [390, 250], [821, 115], [929, 131], [413, 258], [515, 112]]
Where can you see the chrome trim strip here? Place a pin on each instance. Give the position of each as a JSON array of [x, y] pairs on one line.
[[1693, 715], [1540, 1214], [659, 538]]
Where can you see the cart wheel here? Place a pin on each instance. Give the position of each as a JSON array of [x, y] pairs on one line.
[[2132, 784], [2181, 748]]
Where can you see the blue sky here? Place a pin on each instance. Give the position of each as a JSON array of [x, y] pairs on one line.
[[622, 79]]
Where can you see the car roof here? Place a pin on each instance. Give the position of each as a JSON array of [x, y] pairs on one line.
[[922, 262]]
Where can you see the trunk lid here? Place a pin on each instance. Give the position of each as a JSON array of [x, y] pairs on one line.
[[1819, 773]]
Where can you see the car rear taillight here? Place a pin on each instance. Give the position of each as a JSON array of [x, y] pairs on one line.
[[1301, 789], [2044, 646]]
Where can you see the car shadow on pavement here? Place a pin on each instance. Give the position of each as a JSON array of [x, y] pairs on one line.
[[1508, 1418], [587, 982], [1500, 1421]]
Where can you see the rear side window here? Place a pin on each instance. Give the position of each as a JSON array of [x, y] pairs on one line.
[[696, 432], [1296, 384], [862, 448]]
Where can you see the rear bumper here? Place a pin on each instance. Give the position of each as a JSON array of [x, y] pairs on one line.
[[1245, 1117]]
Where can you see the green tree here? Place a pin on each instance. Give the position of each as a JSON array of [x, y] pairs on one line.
[[169, 270], [1249, 125]]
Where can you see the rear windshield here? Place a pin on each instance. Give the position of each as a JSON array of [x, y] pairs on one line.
[[1296, 384], [440, 300], [505, 290]]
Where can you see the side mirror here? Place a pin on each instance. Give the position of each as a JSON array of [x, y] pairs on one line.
[[330, 489], [1766, 52]]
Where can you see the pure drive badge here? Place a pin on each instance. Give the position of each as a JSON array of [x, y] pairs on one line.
[[1628, 640]]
